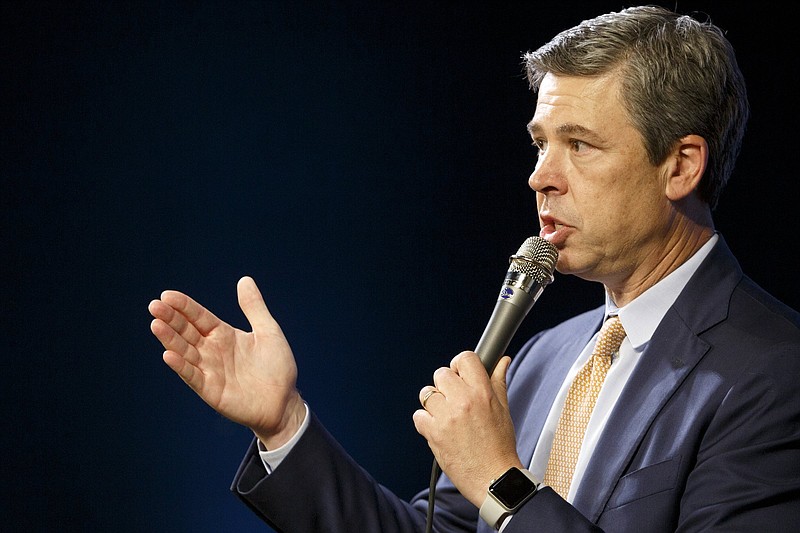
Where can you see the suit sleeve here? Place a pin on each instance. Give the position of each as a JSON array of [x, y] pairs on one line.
[[319, 487]]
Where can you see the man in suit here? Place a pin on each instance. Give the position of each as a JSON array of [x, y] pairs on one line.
[[690, 421]]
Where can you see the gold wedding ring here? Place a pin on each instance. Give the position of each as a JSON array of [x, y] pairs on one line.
[[427, 396]]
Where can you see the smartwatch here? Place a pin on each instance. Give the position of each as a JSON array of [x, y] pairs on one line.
[[506, 495]]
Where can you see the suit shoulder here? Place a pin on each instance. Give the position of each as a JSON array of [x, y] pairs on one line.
[[755, 309]]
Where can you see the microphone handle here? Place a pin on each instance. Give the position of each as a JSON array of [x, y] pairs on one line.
[[512, 307]]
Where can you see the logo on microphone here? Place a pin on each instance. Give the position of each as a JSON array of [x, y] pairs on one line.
[[506, 293]]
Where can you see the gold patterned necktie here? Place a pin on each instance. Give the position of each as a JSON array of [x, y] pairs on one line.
[[578, 407]]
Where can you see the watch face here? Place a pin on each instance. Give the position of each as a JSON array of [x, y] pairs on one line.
[[512, 488]]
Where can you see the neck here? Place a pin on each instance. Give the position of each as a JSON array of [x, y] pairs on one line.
[[661, 262]]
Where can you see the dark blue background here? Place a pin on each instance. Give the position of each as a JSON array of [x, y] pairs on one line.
[[365, 162]]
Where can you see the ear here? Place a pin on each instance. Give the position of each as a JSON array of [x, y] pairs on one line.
[[686, 166]]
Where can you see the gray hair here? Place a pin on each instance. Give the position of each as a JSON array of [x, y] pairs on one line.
[[679, 77]]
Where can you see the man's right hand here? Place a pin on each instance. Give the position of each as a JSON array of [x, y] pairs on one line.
[[249, 378]]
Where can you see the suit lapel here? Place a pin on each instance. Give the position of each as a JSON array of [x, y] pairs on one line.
[[656, 377], [672, 353]]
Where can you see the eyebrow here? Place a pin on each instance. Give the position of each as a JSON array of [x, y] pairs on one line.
[[568, 128]]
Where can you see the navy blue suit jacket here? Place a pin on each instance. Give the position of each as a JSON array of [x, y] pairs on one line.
[[706, 433]]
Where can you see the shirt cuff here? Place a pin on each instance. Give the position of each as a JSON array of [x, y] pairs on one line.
[[273, 458]]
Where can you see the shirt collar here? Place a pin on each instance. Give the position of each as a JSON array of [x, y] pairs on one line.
[[641, 317]]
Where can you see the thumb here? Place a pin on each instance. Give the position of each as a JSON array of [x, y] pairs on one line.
[[498, 379], [252, 304]]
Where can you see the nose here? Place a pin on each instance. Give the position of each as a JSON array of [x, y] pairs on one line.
[[547, 176]]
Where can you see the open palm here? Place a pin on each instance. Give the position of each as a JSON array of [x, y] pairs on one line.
[[248, 377]]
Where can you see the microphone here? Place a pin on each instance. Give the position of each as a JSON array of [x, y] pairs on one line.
[[530, 270]]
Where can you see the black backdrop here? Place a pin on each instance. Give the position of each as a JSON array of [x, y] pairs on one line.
[[366, 162]]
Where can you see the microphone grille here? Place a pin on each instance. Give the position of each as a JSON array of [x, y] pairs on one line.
[[536, 257]]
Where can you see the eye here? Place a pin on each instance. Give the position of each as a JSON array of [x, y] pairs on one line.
[[540, 145], [579, 146]]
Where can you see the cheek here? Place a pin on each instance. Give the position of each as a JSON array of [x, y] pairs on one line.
[[594, 202], [605, 214]]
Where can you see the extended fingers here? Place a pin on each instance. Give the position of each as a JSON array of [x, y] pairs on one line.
[[187, 371], [198, 316], [179, 355], [175, 320], [167, 336], [175, 333]]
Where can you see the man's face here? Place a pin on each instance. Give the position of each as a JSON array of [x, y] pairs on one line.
[[601, 202]]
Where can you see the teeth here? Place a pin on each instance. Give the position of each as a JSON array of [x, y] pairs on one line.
[[559, 226]]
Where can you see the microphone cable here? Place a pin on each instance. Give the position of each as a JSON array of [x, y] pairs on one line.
[[435, 471]]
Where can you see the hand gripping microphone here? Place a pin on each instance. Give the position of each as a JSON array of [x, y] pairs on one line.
[[530, 270]]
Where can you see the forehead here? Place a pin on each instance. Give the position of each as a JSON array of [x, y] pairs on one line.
[[587, 103]]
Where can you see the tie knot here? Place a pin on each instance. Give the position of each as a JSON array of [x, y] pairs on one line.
[[611, 335]]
